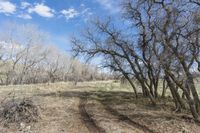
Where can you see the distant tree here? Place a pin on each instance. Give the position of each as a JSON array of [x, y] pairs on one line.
[[26, 56]]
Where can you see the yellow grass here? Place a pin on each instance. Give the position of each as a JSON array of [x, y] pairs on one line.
[[110, 105]]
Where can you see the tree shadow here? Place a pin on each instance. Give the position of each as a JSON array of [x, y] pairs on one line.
[[87, 119], [121, 99], [112, 98]]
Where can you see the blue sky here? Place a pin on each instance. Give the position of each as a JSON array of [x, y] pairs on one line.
[[59, 18]]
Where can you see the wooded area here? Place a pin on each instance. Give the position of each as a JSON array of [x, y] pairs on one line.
[[27, 56], [100, 66], [159, 43]]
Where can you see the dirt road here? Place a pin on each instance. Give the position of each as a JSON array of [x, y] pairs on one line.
[[86, 109]]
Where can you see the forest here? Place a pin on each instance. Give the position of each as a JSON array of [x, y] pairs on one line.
[[164, 48], [135, 73], [27, 57]]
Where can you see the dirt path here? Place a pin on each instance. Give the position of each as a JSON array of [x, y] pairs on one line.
[[82, 109], [60, 115], [124, 118], [98, 119], [87, 120]]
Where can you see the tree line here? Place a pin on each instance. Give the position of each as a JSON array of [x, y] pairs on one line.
[[158, 42], [27, 57]]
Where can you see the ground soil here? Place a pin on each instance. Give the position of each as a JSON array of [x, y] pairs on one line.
[[96, 108]]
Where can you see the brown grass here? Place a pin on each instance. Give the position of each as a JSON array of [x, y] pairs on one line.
[[96, 107]]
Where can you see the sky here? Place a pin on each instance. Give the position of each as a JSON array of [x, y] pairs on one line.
[[61, 19]]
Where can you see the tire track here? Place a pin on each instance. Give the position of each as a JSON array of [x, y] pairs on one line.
[[126, 119], [87, 119]]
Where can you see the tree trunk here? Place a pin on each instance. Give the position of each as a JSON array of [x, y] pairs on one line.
[[192, 107], [191, 86], [177, 99], [164, 88], [131, 83]]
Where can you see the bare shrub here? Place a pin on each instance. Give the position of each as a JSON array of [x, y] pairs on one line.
[[18, 111]]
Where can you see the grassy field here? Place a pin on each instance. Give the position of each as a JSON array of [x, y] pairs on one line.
[[92, 107]]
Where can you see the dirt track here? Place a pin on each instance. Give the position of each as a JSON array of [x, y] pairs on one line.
[[85, 109], [109, 121], [87, 119]]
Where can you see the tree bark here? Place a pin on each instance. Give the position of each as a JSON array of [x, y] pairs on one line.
[[177, 99]]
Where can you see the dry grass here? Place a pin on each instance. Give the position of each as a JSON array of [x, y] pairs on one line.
[[96, 107]]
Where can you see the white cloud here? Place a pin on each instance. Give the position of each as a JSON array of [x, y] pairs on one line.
[[25, 5], [86, 10], [70, 13], [86, 14], [42, 10], [82, 5], [111, 5], [7, 7], [24, 16]]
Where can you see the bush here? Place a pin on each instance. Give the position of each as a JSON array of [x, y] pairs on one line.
[[18, 111]]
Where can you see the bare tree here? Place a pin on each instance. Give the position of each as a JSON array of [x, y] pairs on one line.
[[167, 35], [167, 46], [113, 45]]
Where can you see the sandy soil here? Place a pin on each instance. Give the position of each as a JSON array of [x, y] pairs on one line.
[[95, 107]]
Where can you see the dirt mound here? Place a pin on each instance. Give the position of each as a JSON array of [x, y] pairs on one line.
[[19, 110]]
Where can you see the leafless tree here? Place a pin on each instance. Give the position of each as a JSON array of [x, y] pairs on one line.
[[26, 56], [168, 34], [167, 47], [114, 45]]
